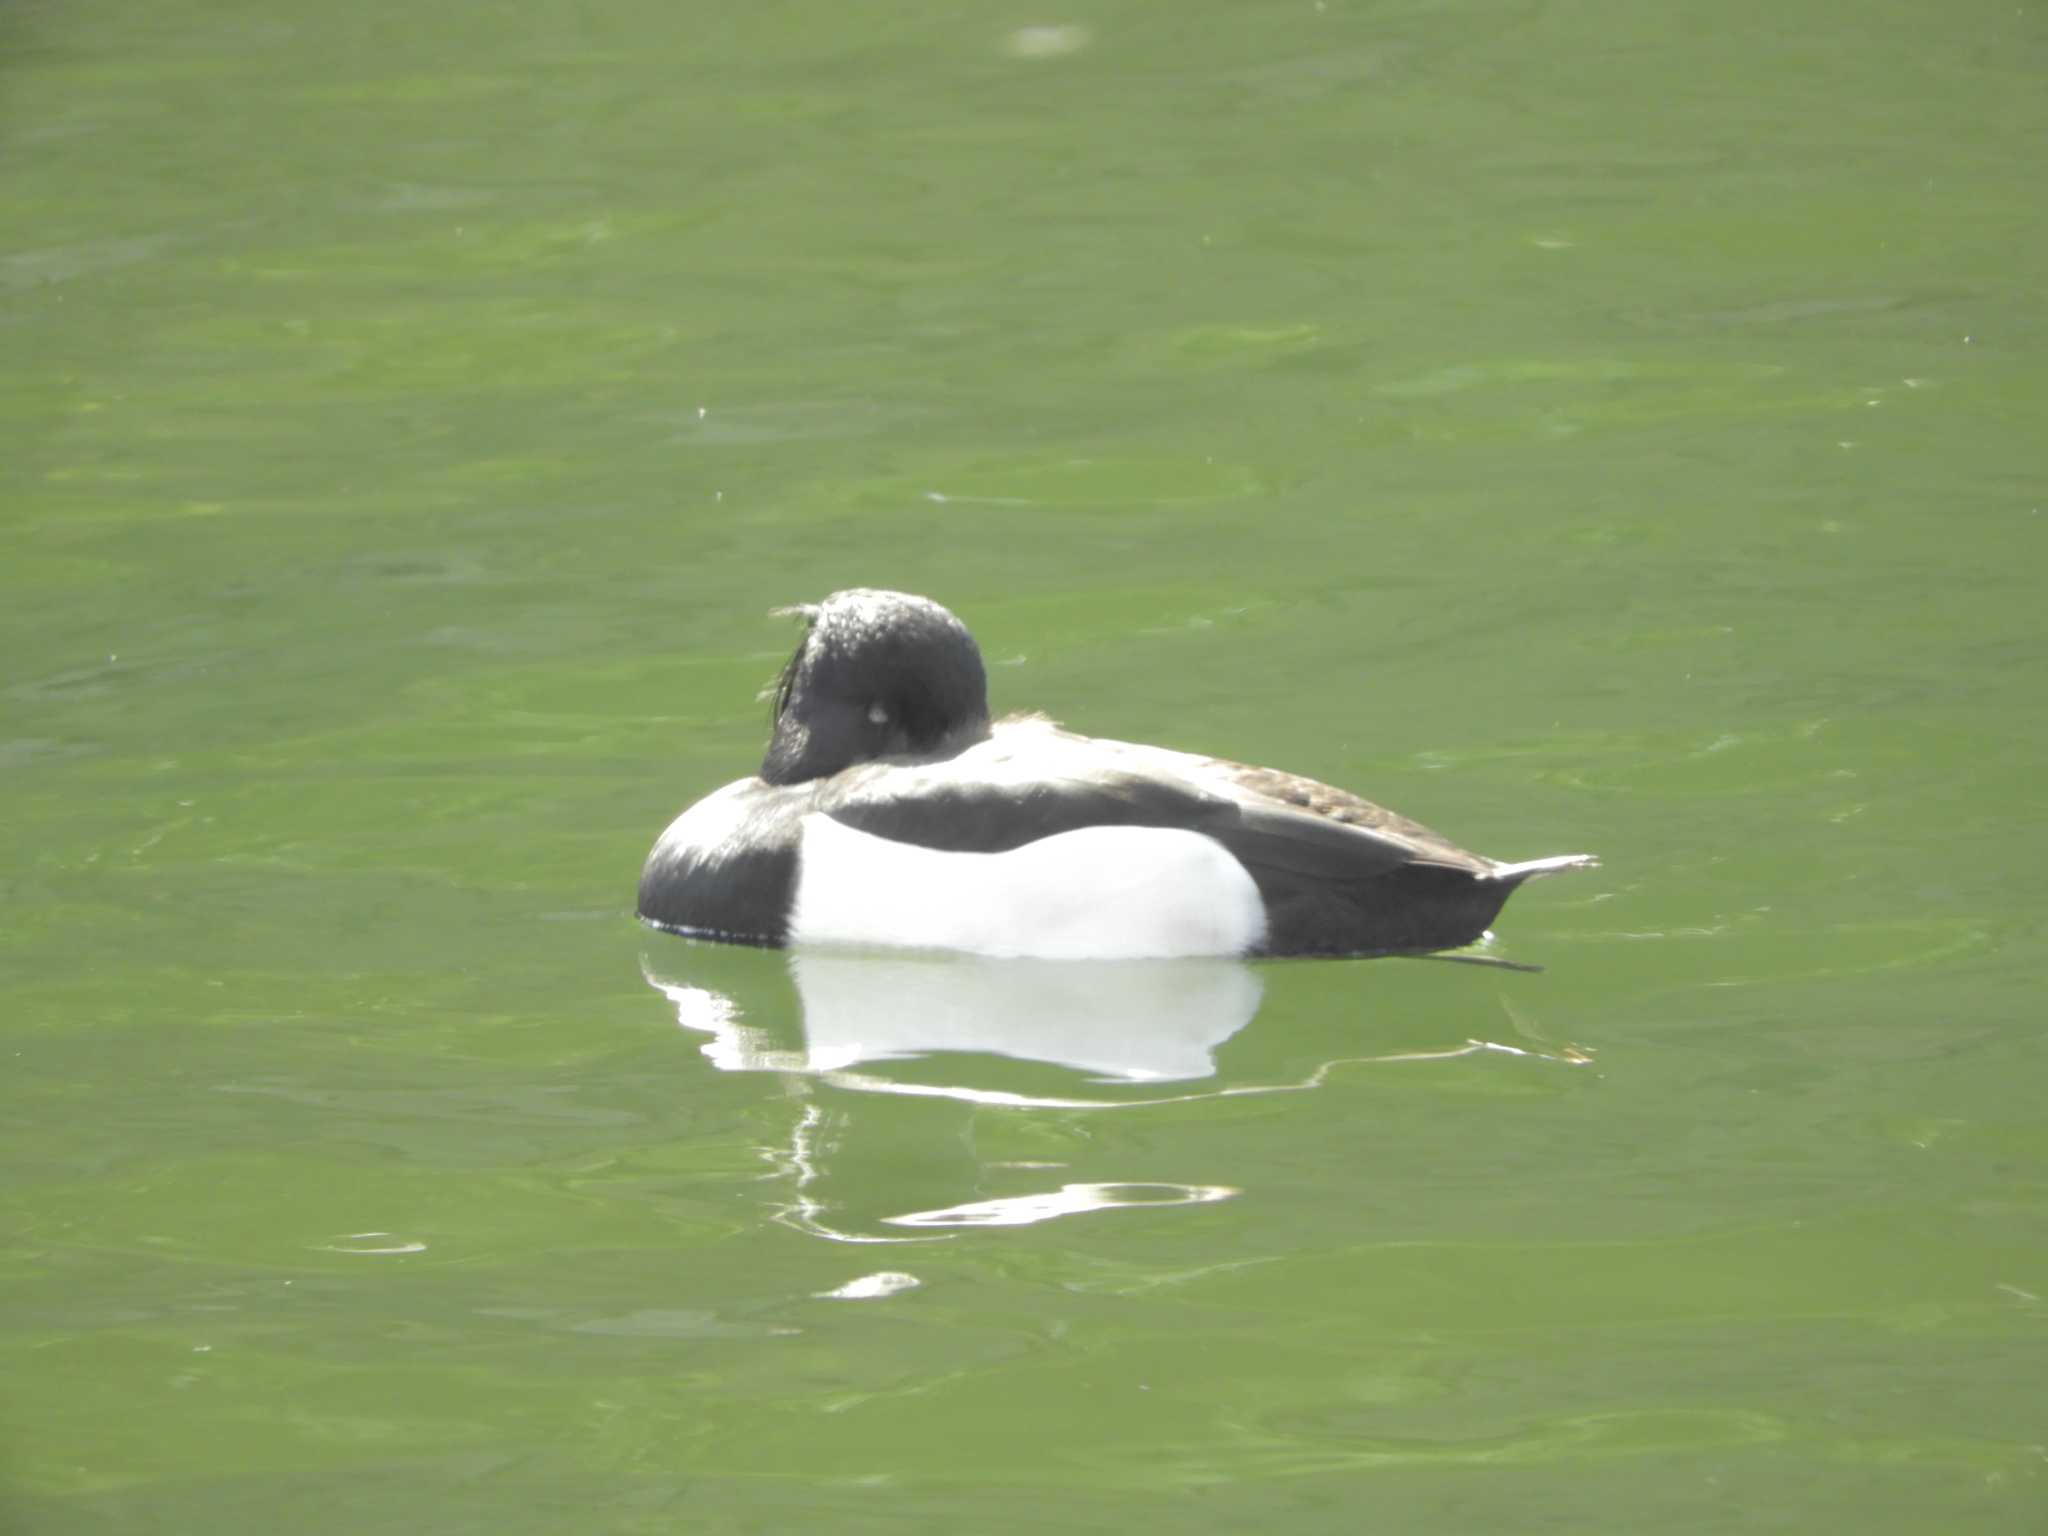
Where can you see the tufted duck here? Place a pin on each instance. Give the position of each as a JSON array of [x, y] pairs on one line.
[[889, 812]]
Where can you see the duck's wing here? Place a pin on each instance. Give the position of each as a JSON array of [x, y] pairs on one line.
[[999, 797], [969, 813], [1271, 788]]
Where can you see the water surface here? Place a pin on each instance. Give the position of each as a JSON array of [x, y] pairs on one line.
[[1575, 425]]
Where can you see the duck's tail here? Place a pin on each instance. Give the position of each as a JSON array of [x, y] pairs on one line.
[[1515, 874]]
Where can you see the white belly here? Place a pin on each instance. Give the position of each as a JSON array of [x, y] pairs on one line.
[[1103, 893]]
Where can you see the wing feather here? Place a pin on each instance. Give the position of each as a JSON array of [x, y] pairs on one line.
[[1001, 796]]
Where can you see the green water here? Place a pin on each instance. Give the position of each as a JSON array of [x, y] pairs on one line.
[[1578, 425]]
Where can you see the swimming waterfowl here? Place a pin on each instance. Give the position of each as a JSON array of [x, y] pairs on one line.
[[889, 811]]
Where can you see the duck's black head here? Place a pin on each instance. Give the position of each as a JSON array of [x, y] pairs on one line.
[[877, 674]]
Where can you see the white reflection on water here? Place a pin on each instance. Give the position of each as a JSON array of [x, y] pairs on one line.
[[806, 1211], [1067, 1200], [883, 1282], [1138, 1025], [373, 1244], [1118, 1021]]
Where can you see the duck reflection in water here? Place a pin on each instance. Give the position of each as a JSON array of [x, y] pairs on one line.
[[956, 1035], [1128, 1021]]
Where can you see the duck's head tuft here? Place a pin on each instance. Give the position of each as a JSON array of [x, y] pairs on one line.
[[877, 674]]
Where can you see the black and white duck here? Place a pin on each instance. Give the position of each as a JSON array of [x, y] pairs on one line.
[[889, 811]]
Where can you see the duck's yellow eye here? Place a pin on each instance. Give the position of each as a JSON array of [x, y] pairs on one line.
[[877, 715]]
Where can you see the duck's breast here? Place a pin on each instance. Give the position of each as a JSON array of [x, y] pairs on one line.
[[726, 867]]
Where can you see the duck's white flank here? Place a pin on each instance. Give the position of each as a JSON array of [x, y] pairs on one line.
[[1102, 893]]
